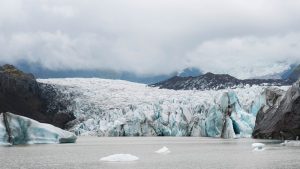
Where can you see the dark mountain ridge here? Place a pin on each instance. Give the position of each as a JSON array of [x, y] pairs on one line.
[[40, 72], [215, 81]]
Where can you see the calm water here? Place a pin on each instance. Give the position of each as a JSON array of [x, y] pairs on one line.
[[186, 152]]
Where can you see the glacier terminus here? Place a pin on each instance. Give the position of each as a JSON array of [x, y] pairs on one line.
[[119, 108]]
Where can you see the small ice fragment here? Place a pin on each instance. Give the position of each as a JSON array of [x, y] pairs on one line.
[[258, 145], [163, 150], [120, 158], [291, 143], [259, 149]]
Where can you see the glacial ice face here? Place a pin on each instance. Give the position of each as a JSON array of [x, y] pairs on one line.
[[228, 129], [27, 131], [3, 134], [120, 108], [257, 103]]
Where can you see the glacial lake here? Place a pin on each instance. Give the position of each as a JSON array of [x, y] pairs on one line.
[[186, 153]]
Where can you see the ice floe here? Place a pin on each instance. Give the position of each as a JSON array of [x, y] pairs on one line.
[[291, 143], [163, 150], [15, 129], [120, 158], [258, 146]]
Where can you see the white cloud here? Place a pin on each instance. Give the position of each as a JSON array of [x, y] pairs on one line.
[[63, 11], [243, 38]]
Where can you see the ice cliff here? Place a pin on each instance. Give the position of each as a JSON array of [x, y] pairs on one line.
[[119, 108]]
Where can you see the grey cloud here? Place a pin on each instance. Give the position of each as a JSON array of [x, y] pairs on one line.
[[248, 56], [152, 37]]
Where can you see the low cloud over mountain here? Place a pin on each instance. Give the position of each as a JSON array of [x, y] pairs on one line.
[[244, 39]]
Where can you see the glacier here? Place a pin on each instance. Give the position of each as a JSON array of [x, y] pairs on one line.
[[15, 129], [119, 108]]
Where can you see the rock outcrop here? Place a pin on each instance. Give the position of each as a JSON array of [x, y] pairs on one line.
[[21, 94], [295, 74], [280, 118]]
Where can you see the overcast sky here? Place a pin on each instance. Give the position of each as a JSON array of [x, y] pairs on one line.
[[241, 37]]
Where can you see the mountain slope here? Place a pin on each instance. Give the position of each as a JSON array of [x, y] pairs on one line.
[[214, 81], [295, 74]]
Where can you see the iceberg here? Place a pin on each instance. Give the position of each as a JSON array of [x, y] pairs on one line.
[[15, 129], [163, 150], [258, 147], [291, 143], [119, 158]]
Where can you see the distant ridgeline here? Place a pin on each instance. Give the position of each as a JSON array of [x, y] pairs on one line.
[[41, 72], [219, 81], [222, 81]]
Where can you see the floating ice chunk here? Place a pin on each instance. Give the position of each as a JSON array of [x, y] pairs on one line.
[[119, 158], [24, 130], [258, 145], [291, 143], [163, 150], [259, 149]]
